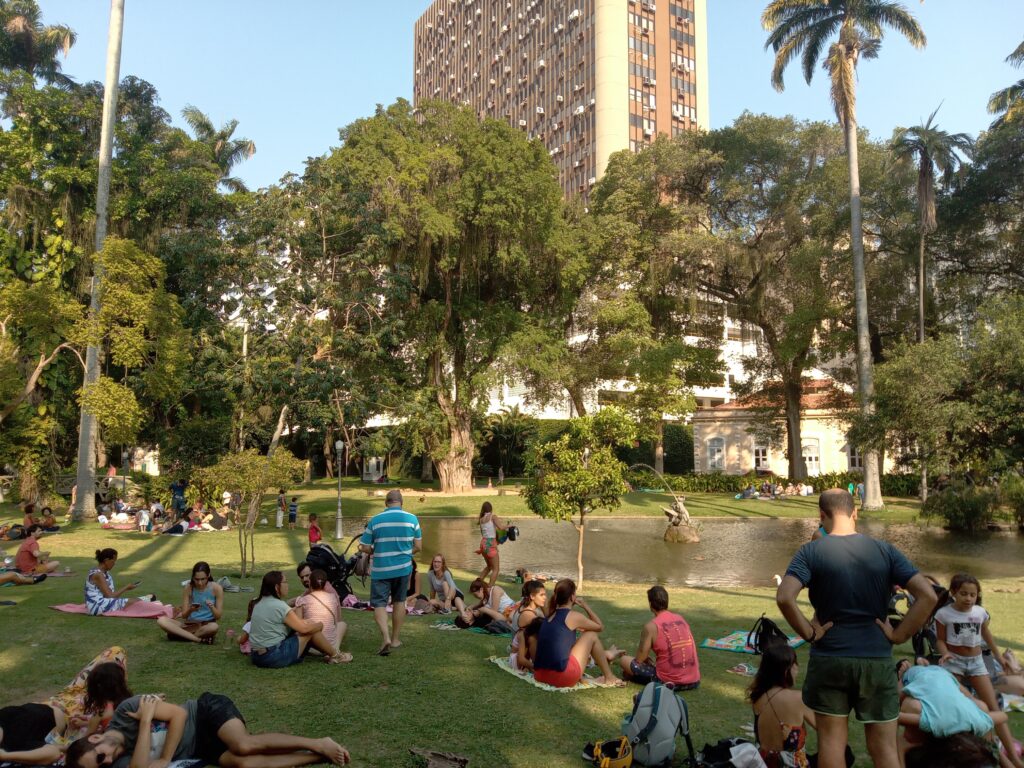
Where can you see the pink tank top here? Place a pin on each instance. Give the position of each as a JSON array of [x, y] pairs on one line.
[[675, 650]]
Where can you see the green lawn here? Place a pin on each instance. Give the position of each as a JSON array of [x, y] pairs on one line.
[[437, 692], [321, 497]]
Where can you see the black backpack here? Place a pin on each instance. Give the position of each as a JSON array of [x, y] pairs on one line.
[[765, 633]]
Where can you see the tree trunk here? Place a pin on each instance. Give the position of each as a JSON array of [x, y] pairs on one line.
[[920, 290], [659, 448], [580, 529], [865, 368], [924, 481], [455, 468], [329, 453], [576, 396], [88, 426], [427, 469], [794, 443]]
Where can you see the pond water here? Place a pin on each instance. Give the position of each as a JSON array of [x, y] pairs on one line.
[[743, 552]]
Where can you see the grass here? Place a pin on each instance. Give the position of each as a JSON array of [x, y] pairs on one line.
[[320, 496], [437, 692]]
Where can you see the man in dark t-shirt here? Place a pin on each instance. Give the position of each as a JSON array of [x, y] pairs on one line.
[[849, 577], [209, 728]]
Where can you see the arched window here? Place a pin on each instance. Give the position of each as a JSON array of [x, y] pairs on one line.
[[716, 454], [812, 456]]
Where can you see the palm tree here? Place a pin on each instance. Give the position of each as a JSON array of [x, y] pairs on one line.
[[1009, 102], [225, 152], [803, 28], [934, 150], [28, 45]]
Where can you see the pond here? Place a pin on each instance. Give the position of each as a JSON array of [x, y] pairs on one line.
[[744, 552]]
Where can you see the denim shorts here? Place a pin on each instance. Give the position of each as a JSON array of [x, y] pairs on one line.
[[284, 654], [381, 589], [967, 666]]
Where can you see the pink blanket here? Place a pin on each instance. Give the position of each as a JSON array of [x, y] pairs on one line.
[[133, 611]]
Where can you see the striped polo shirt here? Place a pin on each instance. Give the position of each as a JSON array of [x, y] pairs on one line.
[[391, 533]]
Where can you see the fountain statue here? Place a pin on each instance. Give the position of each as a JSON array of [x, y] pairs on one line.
[[681, 529]]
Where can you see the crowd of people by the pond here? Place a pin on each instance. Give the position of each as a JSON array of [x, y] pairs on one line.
[[940, 708]]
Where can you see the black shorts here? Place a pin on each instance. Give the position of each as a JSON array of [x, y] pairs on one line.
[[26, 727], [212, 711]]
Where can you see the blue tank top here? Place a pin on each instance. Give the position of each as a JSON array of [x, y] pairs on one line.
[[203, 612], [554, 642]]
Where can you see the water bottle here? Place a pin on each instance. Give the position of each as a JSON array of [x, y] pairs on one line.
[[229, 639]]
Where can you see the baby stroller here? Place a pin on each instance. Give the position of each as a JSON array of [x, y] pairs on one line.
[[339, 568], [924, 641]]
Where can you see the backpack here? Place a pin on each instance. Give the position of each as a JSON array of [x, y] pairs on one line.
[[659, 714], [764, 633]]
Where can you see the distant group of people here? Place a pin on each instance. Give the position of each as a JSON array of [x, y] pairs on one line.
[[770, 489]]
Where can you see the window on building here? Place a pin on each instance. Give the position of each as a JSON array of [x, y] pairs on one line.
[[812, 456], [716, 454], [853, 457], [761, 460]]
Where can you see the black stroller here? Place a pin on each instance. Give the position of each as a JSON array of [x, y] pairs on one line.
[[339, 568], [924, 641]]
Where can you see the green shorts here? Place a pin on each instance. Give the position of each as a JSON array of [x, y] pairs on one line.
[[837, 684]]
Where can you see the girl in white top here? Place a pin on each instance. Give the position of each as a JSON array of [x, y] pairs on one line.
[[494, 601], [489, 526], [961, 627]]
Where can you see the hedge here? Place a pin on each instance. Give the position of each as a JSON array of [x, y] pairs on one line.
[[893, 484]]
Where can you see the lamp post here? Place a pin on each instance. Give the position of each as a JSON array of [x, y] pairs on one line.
[[338, 445]]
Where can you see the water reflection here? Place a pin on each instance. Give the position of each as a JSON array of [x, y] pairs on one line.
[[741, 552]]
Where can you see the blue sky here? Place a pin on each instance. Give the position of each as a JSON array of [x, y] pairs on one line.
[[293, 73]]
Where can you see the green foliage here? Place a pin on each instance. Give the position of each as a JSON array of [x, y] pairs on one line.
[[115, 407], [578, 472], [678, 450], [1011, 490], [248, 473], [963, 507], [898, 484], [505, 437], [195, 442]]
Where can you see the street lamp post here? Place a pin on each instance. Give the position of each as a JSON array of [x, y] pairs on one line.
[[338, 445]]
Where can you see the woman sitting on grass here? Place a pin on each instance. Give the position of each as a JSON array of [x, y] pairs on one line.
[[202, 605], [322, 606], [530, 608], [561, 656], [278, 635], [443, 592], [493, 604], [780, 716], [100, 595]]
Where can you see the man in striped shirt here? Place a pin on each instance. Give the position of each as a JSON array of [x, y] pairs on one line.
[[392, 537]]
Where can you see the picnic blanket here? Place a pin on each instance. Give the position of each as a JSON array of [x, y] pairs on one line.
[[586, 683], [449, 625], [736, 642], [1012, 702], [140, 610]]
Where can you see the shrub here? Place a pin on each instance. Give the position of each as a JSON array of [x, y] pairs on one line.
[[896, 484], [1012, 491], [963, 507]]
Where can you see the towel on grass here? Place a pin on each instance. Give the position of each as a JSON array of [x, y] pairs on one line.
[[1012, 702], [449, 625], [736, 642], [743, 669], [502, 662], [140, 610]]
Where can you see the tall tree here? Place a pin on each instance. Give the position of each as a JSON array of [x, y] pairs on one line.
[[934, 150], [225, 152], [459, 222], [803, 28], [1008, 102], [29, 45]]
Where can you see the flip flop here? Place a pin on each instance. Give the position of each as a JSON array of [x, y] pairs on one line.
[[342, 657], [385, 650], [7, 602]]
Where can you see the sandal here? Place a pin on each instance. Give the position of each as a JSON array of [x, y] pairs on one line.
[[341, 657], [385, 650]]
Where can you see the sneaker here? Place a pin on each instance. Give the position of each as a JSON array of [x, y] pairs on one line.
[[588, 751], [38, 578], [150, 598]]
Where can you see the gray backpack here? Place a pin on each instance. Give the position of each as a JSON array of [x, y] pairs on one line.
[[659, 714]]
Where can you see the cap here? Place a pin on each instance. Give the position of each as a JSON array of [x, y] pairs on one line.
[[394, 497]]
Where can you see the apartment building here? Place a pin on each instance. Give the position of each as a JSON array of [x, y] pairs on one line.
[[586, 77]]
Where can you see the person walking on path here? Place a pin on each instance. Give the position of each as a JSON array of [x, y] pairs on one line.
[[850, 577], [392, 537]]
